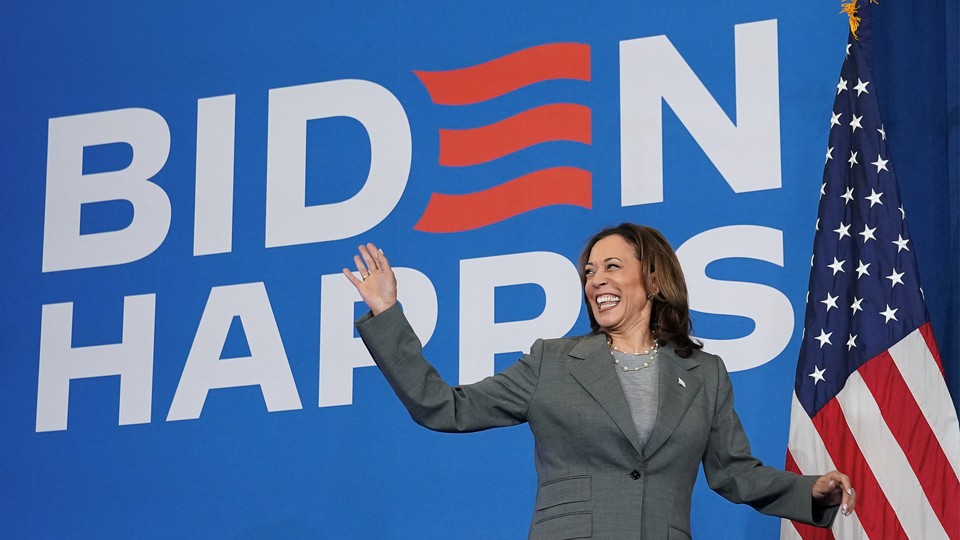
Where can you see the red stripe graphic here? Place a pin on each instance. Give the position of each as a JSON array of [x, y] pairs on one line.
[[876, 515], [920, 445], [557, 185], [807, 532], [557, 122], [508, 73]]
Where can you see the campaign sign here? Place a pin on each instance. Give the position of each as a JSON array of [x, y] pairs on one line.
[[183, 183]]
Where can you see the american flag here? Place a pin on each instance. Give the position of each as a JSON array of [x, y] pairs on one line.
[[870, 398]]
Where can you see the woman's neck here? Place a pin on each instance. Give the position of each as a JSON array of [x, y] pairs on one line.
[[633, 342]]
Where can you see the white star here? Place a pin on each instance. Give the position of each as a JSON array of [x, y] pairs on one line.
[[881, 164], [874, 198], [848, 49], [883, 134], [901, 243], [823, 189], [830, 301], [811, 261], [855, 123], [824, 338], [841, 86], [853, 159], [842, 231], [837, 266], [835, 119], [862, 270], [848, 195], [903, 215], [829, 154], [855, 306], [894, 278], [852, 341], [817, 226], [817, 375], [861, 87], [867, 233], [921, 294], [889, 314]]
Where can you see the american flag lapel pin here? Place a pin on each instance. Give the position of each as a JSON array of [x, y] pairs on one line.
[[681, 383]]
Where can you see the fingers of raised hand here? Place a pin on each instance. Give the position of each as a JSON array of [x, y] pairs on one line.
[[362, 268]]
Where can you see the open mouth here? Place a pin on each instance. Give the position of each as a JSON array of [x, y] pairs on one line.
[[606, 301]]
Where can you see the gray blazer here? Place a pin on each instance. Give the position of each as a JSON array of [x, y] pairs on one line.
[[595, 479]]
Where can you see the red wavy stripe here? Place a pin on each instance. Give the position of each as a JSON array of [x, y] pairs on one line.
[[455, 213], [876, 515], [557, 122], [899, 409], [807, 532], [505, 74]]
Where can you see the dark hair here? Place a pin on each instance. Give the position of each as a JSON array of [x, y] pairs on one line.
[[670, 316]]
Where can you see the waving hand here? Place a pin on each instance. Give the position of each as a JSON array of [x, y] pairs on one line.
[[377, 284]]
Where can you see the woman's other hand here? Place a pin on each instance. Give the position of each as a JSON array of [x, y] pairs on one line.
[[834, 488], [377, 285]]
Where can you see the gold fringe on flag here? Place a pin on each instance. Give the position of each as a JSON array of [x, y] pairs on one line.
[[850, 8]]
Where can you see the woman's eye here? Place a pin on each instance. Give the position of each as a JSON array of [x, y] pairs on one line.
[[588, 272]]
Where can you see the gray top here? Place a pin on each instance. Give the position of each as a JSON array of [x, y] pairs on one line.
[[641, 390]]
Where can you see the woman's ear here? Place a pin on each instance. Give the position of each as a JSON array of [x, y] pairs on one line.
[[654, 284]]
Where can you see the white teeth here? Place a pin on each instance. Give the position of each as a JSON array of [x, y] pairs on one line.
[[607, 301]]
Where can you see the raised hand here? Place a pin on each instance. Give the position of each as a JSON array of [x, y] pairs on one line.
[[834, 488], [377, 285]]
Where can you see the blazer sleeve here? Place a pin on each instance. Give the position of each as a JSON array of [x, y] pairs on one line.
[[500, 400], [733, 472]]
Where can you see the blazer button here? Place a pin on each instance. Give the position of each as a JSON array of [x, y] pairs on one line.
[[635, 474]]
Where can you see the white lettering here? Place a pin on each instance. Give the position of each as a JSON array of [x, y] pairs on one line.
[[481, 337], [289, 220], [769, 309], [340, 351], [267, 365], [131, 359], [213, 213], [64, 248], [746, 154]]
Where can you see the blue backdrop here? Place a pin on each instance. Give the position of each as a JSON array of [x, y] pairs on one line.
[[233, 130]]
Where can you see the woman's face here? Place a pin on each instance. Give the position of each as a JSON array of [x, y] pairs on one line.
[[614, 286]]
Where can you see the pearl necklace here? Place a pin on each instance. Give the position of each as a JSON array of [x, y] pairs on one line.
[[652, 351]]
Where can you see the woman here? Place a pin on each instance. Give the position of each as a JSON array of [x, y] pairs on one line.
[[622, 417]]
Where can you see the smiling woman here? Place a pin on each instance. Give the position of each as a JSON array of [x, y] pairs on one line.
[[640, 260], [623, 417]]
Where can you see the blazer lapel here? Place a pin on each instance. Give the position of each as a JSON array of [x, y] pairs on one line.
[[677, 388], [598, 376]]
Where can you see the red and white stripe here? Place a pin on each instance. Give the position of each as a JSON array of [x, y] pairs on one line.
[[893, 429]]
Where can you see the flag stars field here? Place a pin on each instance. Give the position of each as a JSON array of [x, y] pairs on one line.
[[861, 87], [889, 314], [836, 266], [817, 374], [881, 164], [895, 278]]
